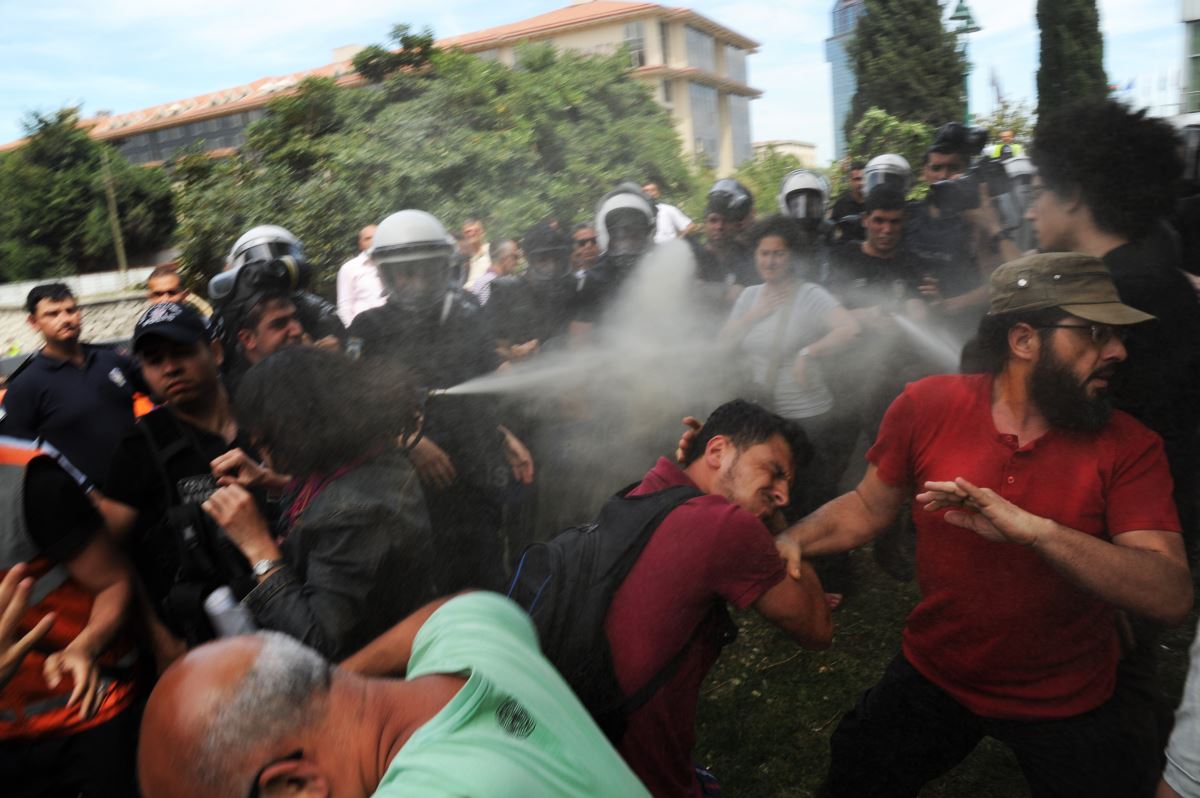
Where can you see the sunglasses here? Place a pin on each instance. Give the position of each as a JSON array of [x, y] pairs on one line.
[[1101, 333], [583, 242]]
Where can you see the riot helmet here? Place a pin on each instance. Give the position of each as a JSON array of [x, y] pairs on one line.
[[625, 224], [266, 261], [412, 252], [730, 199], [547, 253], [890, 170], [802, 195]]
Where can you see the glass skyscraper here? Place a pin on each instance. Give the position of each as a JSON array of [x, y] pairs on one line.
[[846, 14]]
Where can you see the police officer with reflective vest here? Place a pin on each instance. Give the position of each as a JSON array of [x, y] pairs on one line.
[[68, 720]]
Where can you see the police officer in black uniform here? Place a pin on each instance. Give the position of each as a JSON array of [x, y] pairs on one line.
[[466, 460]]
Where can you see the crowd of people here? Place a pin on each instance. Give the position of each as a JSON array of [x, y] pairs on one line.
[[277, 545]]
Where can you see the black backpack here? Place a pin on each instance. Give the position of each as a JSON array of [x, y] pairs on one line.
[[567, 585]]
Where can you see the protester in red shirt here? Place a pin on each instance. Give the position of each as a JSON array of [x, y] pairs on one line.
[[1041, 513], [710, 550]]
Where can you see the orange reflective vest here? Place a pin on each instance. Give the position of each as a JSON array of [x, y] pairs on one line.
[[28, 706]]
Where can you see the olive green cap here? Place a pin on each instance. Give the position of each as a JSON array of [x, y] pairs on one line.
[[1077, 284]]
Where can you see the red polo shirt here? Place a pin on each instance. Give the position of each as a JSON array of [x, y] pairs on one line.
[[997, 628], [706, 550]]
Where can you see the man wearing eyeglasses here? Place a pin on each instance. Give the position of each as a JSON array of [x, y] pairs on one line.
[[1040, 513], [479, 712]]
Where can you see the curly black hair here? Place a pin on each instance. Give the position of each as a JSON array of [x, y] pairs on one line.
[[1123, 165]]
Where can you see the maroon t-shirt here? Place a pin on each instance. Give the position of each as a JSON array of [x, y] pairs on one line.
[[998, 628], [705, 551]]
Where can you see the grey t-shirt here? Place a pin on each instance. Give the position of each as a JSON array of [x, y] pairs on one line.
[[805, 325]]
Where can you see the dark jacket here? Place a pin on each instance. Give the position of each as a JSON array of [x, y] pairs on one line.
[[359, 560]]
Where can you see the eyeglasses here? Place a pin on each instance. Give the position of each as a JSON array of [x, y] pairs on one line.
[[583, 242], [294, 755], [1101, 333]]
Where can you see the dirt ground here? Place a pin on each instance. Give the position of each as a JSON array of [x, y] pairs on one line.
[[769, 708]]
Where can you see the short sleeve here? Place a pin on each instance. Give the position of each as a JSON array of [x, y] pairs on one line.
[[819, 301], [20, 408], [472, 629], [744, 302], [742, 561], [60, 518], [891, 454], [1139, 496]]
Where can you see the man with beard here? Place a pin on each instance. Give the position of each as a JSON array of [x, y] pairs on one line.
[[75, 396], [1041, 513]]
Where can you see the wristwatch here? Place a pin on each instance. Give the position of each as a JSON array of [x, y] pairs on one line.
[[803, 352], [264, 567]]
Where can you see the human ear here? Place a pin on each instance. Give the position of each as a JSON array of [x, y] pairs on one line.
[[293, 778], [1024, 342], [714, 451]]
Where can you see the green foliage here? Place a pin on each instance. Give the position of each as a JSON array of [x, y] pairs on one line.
[[53, 212], [462, 136], [1072, 60], [906, 63], [413, 52], [878, 133], [1009, 115]]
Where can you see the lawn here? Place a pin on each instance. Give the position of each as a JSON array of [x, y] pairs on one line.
[[769, 708]]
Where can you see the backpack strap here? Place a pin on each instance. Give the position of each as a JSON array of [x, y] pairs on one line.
[[166, 441]]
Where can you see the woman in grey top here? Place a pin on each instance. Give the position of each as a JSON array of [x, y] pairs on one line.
[[786, 329]]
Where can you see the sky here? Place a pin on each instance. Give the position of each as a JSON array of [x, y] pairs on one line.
[[122, 55]]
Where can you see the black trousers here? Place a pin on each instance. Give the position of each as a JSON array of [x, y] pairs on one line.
[[905, 732], [97, 763]]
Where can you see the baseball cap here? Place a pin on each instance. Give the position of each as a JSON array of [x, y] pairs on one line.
[[171, 320], [1077, 284]]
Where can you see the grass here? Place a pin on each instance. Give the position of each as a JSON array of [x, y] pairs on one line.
[[769, 708]]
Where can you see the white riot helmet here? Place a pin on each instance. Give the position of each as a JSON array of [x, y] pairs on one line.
[[412, 252], [803, 195], [890, 170], [625, 224], [263, 243]]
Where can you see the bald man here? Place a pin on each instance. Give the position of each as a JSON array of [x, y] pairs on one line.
[[481, 713]]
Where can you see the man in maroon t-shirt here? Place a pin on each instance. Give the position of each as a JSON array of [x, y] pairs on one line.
[[710, 550], [1042, 513]]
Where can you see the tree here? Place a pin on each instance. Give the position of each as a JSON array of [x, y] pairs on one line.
[[1008, 115], [906, 63], [53, 213], [1072, 60], [413, 51], [762, 175], [878, 133], [460, 136]]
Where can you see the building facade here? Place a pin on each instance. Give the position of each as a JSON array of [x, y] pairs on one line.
[[1190, 102], [846, 14], [696, 68]]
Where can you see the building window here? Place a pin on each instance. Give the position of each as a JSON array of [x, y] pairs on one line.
[[489, 55], [701, 49], [735, 64], [664, 35], [739, 128], [668, 93], [635, 40], [706, 125]]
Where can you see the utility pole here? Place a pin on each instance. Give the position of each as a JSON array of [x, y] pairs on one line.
[[966, 26], [114, 218]]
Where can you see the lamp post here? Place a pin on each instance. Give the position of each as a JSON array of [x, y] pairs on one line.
[[114, 218], [966, 26]]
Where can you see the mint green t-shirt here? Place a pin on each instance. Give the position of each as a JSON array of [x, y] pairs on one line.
[[514, 729]]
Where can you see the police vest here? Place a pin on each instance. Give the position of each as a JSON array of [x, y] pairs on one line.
[[28, 707]]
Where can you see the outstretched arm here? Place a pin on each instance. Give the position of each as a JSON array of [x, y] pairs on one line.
[[1143, 571], [388, 654], [851, 520]]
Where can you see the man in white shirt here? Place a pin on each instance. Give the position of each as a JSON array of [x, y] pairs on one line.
[[672, 222], [475, 246], [358, 286]]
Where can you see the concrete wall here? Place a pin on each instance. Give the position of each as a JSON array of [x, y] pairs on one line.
[[12, 295]]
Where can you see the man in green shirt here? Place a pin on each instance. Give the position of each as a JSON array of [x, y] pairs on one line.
[[480, 712]]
